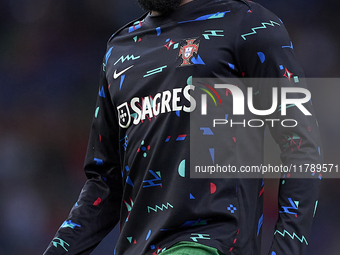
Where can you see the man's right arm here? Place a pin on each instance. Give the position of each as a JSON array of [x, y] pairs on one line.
[[98, 208]]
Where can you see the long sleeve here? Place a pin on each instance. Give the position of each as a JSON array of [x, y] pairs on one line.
[[98, 208], [265, 51]]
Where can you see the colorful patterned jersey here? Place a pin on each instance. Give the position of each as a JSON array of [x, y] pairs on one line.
[[138, 155]]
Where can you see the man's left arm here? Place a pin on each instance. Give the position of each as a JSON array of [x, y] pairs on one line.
[[264, 49]]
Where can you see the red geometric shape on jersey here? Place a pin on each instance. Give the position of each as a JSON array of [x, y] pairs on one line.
[[261, 192], [97, 202], [169, 44], [235, 240], [157, 251], [143, 148], [287, 74], [187, 51], [291, 140], [212, 188]]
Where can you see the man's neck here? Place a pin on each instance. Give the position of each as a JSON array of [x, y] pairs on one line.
[[156, 13]]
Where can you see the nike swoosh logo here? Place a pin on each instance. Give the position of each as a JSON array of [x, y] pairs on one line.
[[116, 75]]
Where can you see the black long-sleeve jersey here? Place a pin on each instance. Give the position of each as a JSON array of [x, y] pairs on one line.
[[137, 161]]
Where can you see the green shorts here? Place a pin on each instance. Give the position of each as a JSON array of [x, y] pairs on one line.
[[190, 248]]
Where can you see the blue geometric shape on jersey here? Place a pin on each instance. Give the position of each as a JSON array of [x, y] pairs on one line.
[[127, 168], [231, 66], [231, 208], [143, 149], [261, 56], [290, 46], [206, 131], [191, 196], [101, 92], [197, 61], [121, 81], [178, 113], [294, 206], [273, 253], [158, 29], [69, 224], [148, 235], [151, 182], [98, 161], [212, 154], [259, 225], [216, 15], [192, 223], [135, 26], [128, 181], [181, 137], [108, 54], [125, 142]]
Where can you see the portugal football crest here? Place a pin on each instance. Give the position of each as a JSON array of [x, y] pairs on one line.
[[124, 115], [188, 51]]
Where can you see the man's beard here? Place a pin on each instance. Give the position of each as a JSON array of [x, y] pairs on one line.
[[162, 6]]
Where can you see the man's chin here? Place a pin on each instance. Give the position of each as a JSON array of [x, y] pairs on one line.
[[161, 6]]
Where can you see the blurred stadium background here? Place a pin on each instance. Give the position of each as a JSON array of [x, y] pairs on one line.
[[50, 56]]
